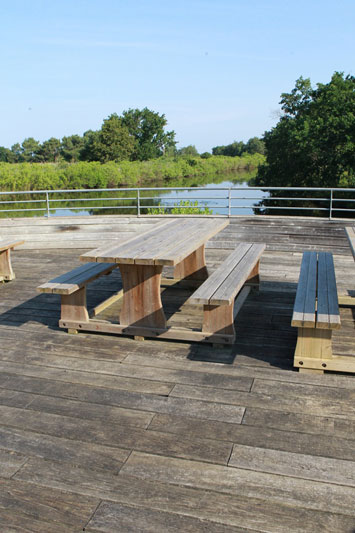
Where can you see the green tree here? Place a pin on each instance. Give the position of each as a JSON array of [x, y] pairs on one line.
[[90, 141], [5, 153], [71, 148], [313, 144], [188, 150], [147, 128], [113, 142], [15, 155], [255, 146], [232, 150], [30, 149], [49, 151]]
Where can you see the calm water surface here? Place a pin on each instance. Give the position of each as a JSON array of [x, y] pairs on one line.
[[212, 196]]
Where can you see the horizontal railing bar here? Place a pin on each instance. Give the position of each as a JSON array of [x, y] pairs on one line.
[[281, 207], [22, 201], [53, 191], [17, 210], [343, 209], [178, 198], [88, 199], [98, 207], [277, 199], [343, 200]]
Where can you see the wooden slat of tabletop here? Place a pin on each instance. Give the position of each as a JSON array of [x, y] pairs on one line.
[[236, 279], [350, 232], [203, 294], [163, 240], [191, 241], [166, 244], [109, 253], [9, 243]]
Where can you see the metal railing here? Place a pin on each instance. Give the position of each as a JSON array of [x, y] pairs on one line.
[[224, 201]]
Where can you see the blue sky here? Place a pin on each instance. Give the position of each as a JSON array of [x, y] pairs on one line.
[[216, 69]]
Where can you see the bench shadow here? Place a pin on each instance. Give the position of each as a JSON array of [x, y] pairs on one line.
[[264, 336]]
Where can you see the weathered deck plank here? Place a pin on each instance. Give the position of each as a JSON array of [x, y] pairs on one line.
[[107, 434]]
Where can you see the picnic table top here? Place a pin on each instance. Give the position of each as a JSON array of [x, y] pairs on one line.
[[166, 243]]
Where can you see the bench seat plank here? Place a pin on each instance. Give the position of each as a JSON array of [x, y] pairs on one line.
[[350, 233], [75, 279], [5, 244], [308, 266], [316, 302], [333, 305], [309, 310], [224, 284]]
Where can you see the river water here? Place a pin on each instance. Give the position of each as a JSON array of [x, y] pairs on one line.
[[213, 194]]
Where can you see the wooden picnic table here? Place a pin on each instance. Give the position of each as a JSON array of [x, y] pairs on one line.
[[177, 242]]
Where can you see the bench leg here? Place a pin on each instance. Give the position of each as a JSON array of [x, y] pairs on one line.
[[73, 307], [254, 277], [314, 344], [218, 319], [193, 267], [6, 272]]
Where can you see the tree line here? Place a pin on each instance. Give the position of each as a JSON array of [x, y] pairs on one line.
[[136, 135]]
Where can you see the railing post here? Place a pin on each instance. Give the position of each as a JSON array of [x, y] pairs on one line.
[[331, 204], [229, 202], [138, 203], [47, 202]]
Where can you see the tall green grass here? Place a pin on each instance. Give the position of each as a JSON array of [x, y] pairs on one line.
[[94, 175]]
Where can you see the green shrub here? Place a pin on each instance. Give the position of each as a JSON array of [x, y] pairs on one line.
[[184, 207]]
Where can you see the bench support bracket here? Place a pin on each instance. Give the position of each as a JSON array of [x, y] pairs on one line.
[[218, 319], [193, 267], [73, 306], [6, 272]]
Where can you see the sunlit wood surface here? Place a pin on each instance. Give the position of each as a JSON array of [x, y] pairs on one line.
[[114, 435]]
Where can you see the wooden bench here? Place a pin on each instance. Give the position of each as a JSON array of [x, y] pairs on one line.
[[316, 314], [6, 272], [350, 233], [224, 292], [72, 288]]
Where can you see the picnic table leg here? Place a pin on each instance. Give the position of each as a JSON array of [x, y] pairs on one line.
[[142, 304], [193, 266], [6, 272]]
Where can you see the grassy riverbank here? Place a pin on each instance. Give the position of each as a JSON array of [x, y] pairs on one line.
[[85, 175]]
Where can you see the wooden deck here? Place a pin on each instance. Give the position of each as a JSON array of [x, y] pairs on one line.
[[106, 434]]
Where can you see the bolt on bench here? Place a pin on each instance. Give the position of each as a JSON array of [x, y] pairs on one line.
[[316, 314], [6, 272]]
